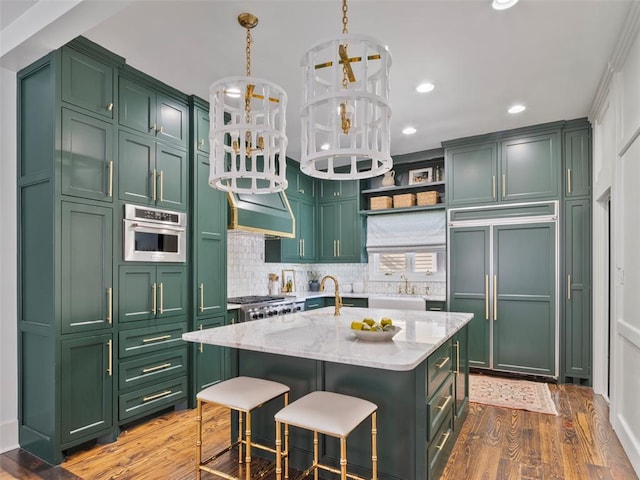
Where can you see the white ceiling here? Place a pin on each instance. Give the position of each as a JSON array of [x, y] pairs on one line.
[[547, 54]]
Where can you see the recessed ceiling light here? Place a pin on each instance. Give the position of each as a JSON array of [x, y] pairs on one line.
[[425, 87], [517, 109], [409, 130], [503, 4], [324, 146]]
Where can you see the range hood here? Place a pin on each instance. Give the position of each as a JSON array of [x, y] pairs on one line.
[[267, 213]]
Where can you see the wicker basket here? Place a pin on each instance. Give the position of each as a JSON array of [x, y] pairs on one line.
[[428, 198], [404, 200], [380, 203]]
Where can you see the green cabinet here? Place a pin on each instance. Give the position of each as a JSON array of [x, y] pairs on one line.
[[332, 189], [87, 83], [86, 388], [469, 286], [461, 376], [201, 129], [577, 163], [340, 231], [577, 291], [152, 173], [301, 248], [525, 167], [86, 268], [315, 303], [149, 292], [300, 185], [511, 311], [211, 362], [88, 162], [146, 110]]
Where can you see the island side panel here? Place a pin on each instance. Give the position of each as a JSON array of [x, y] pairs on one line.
[[400, 397]]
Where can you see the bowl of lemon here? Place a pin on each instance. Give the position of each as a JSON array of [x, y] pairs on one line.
[[371, 331]]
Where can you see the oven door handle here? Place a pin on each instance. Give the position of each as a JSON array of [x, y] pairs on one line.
[[153, 228]]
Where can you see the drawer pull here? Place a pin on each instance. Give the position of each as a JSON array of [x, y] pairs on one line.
[[157, 367], [444, 361], [201, 297], [201, 347], [110, 305], [435, 309], [110, 367], [444, 440], [110, 189], [161, 310], [457, 345], [157, 395], [444, 405], [156, 339]]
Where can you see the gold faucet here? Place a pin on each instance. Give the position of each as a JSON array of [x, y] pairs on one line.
[[337, 293]]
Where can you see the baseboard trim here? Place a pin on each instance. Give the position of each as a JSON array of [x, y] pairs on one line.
[[630, 443], [9, 436]]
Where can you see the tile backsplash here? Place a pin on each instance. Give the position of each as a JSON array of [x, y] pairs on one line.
[[248, 274]]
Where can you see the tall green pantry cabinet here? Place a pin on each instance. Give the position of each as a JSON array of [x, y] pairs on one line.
[[94, 351], [66, 247]]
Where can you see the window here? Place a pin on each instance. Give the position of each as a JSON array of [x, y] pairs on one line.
[[416, 265]]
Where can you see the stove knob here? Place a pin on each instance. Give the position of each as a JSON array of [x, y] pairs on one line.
[[254, 316], [286, 310], [271, 313], [261, 315], [297, 308]]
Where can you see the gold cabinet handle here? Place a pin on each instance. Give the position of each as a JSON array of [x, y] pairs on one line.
[[201, 142], [157, 395], [110, 367], [157, 367], [569, 287], [334, 248], [202, 297], [154, 127], [444, 361], [201, 347], [495, 297], [493, 187], [110, 191], [153, 180], [156, 339], [153, 294], [301, 191], [486, 297], [338, 247], [444, 405], [110, 305], [457, 345], [161, 298], [161, 185], [303, 247], [300, 248], [161, 129], [110, 106], [445, 437], [568, 180], [504, 185]]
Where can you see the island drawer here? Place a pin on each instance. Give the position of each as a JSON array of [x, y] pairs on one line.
[[150, 339], [439, 365], [439, 448], [440, 404], [156, 367], [150, 399]]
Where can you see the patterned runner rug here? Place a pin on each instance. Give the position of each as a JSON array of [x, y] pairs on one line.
[[519, 394]]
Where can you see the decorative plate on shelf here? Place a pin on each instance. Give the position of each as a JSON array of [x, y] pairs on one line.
[[376, 336]]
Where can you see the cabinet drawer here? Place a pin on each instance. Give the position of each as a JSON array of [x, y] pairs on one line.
[[149, 399], [439, 365], [151, 339], [439, 406], [438, 449], [314, 303], [156, 368], [436, 306]]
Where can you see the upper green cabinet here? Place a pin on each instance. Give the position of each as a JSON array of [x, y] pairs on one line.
[[201, 121], [300, 185], [335, 189], [516, 169], [577, 163], [87, 83], [150, 112], [88, 161], [152, 173], [340, 232]]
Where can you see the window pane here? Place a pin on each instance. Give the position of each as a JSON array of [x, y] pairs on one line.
[[392, 262], [425, 262]]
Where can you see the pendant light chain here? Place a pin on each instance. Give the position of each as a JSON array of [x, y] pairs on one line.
[[247, 94], [345, 31]]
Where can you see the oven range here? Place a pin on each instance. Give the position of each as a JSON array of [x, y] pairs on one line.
[[256, 307]]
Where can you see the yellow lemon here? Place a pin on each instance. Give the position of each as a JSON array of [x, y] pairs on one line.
[[386, 321], [369, 321], [357, 325]]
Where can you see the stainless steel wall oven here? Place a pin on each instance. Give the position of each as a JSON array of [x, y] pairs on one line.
[[154, 235]]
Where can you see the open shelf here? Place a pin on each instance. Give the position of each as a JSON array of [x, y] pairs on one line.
[[404, 188], [437, 206]]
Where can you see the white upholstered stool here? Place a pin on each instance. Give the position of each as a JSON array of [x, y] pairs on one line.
[[329, 414], [242, 394]]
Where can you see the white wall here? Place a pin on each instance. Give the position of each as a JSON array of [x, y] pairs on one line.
[[8, 254], [616, 122]]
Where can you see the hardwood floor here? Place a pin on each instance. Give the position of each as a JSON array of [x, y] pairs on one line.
[[495, 443]]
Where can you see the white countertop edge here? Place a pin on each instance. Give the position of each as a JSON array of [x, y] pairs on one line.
[[318, 335]]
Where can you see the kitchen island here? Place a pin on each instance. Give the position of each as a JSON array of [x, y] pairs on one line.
[[419, 381]]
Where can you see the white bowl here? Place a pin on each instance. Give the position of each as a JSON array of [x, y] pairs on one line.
[[376, 336]]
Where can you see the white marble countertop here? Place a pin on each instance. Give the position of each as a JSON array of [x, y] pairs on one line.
[[318, 335]]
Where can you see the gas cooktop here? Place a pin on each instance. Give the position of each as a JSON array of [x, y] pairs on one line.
[[255, 299]]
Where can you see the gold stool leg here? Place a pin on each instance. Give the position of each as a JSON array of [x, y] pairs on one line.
[[278, 452], [343, 458], [247, 437], [374, 446], [240, 437], [315, 455], [198, 439], [286, 441]]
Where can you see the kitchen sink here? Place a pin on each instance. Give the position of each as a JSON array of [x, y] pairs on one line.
[[399, 302]]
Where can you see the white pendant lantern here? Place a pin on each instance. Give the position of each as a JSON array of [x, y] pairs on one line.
[[345, 108], [247, 137]]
